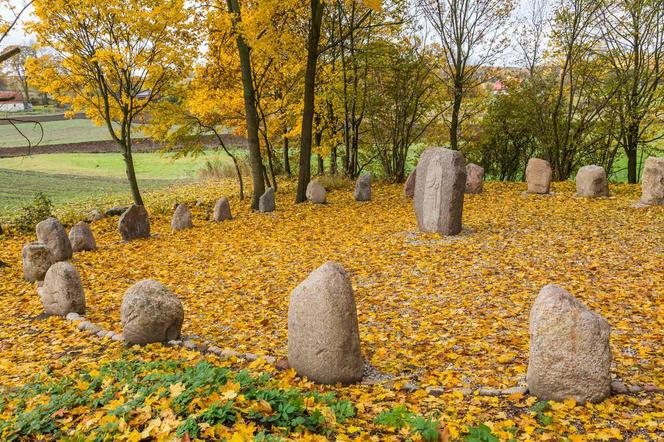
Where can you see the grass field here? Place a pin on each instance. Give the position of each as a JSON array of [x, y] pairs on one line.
[[55, 132]]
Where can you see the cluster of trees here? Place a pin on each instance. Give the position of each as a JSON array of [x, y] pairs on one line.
[[341, 85]]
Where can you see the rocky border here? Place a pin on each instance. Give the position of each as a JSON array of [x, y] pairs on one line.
[[371, 375]]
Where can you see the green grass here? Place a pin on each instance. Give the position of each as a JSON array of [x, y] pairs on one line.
[[55, 132]]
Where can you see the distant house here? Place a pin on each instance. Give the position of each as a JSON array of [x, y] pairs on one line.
[[11, 101]]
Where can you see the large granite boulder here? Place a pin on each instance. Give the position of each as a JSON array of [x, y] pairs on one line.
[[570, 357], [150, 312], [62, 291], [652, 183], [409, 186], [266, 202], [53, 234], [363, 188], [81, 237], [134, 223], [538, 175], [181, 218], [316, 193], [591, 182], [323, 335], [439, 191], [37, 259], [474, 178], [222, 210]]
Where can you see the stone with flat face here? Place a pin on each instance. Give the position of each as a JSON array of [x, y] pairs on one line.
[[652, 183], [53, 234], [134, 223], [266, 202], [474, 178], [591, 182], [363, 188], [62, 291], [181, 218], [37, 259], [81, 237], [439, 191], [538, 175], [222, 210], [316, 193]]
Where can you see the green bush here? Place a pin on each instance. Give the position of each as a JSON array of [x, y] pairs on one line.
[[40, 209]]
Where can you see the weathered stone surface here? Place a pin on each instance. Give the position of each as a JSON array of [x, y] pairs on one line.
[[323, 336], [538, 175], [409, 186], [62, 291], [591, 182], [52, 233], [474, 178], [181, 218], [150, 312], [439, 191], [134, 223], [222, 210], [316, 193], [117, 210], [363, 187], [266, 201], [95, 215], [37, 259], [81, 237], [652, 183], [570, 355]]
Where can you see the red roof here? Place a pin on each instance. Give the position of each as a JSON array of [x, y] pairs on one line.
[[11, 97]]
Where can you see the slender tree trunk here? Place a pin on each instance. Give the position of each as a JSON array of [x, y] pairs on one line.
[[304, 173], [251, 115], [333, 160], [632, 177], [454, 123], [287, 168], [131, 174]]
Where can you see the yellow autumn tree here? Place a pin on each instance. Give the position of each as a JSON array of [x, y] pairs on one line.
[[113, 60]]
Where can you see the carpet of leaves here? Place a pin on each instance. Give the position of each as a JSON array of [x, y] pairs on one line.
[[447, 312]]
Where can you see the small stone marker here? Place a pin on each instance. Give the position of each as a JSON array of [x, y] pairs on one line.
[[222, 210], [117, 210], [95, 215], [363, 187], [52, 233], [474, 178], [538, 175], [134, 223], [62, 291], [150, 312], [37, 259], [181, 218], [81, 237], [652, 183], [266, 201], [591, 182], [570, 357], [439, 191], [316, 193], [323, 335], [409, 186]]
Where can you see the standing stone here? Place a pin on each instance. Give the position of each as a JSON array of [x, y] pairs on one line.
[[62, 291], [181, 218], [52, 233], [266, 201], [363, 187], [652, 184], [591, 182], [323, 335], [134, 223], [316, 193], [570, 355], [474, 178], [81, 237], [538, 175], [222, 210], [95, 215], [150, 312], [439, 189], [37, 259], [409, 187], [117, 210]]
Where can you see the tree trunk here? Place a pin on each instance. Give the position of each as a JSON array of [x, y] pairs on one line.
[[304, 173], [333, 160], [454, 123], [632, 177], [131, 174], [287, 169]]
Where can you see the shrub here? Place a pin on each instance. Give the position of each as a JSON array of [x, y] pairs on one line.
[[40, 209]]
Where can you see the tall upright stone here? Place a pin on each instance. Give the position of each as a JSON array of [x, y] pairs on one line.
[[439, 191], [134, 223], [316, 193], [409, 186], [150, 312], [37, 259], [363, 187], [181, 218], [222, 210], [591, 182], [81, 237], [266, 202], [538, 176], [474, 178], [652, 183], [53, 234], [62, 291], [570, 357], [323, 334]]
